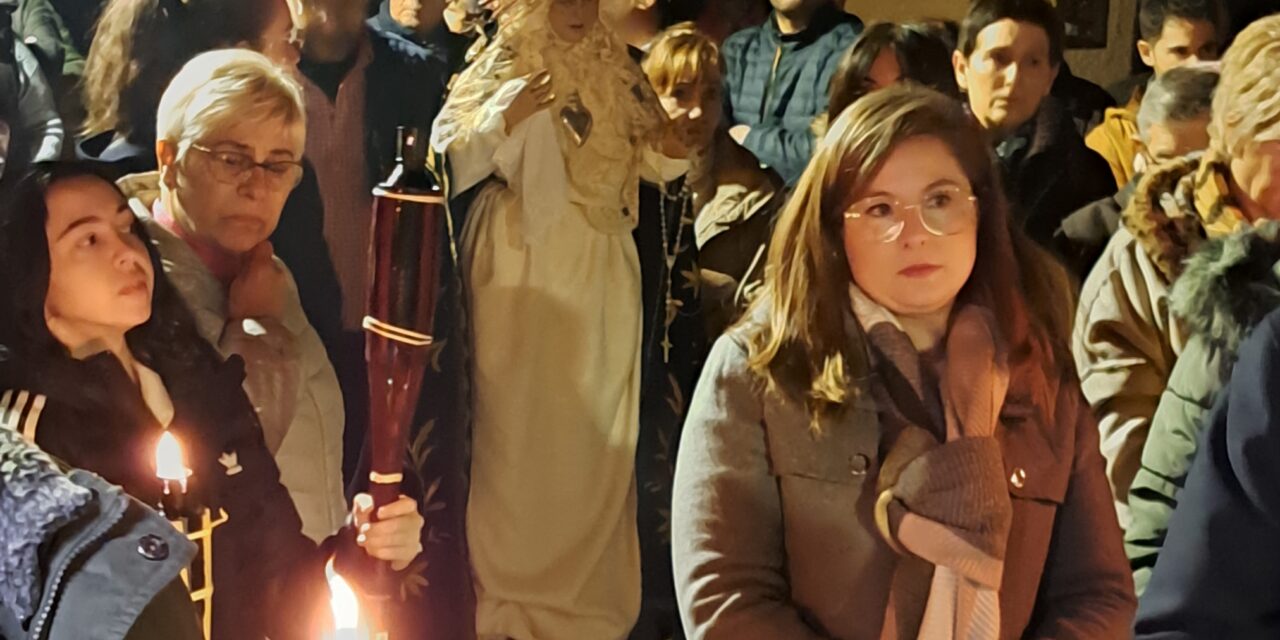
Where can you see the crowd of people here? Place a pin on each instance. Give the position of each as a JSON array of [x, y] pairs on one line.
[[756, 319]]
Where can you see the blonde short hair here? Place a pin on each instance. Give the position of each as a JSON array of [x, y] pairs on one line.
[[681, 53], [219, 88], [1246, 105]]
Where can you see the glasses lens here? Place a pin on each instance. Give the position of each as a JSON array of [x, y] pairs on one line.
[[879, 218], [229, 167], [283, 175], [947, 211]]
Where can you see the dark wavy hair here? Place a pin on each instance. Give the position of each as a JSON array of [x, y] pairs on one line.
[[168, 342], [922, 49]]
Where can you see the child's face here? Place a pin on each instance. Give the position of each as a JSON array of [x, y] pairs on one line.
[[572, 20]]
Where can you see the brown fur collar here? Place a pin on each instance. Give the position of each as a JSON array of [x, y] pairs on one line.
[[1176, 206]]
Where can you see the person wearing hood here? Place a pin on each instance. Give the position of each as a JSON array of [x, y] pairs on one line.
[[1127, 339], [81, 560], [1225, 291]]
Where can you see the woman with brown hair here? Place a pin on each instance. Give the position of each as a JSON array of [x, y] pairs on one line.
[[890, 445], [138, 47]]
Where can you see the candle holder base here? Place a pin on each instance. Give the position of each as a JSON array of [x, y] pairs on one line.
[[199, 575]]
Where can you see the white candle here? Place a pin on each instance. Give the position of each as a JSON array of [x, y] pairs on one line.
[[171, 468]]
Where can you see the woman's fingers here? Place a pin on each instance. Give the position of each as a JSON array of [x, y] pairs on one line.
[[397, 539], [404, 527], [401, 507], [399, 526]]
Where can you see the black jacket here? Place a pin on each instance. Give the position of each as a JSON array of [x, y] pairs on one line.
[[1049, 172], [404, 85], [266, 573], [1084, 234], [439, 41], [1084, 100], [1219, 571]]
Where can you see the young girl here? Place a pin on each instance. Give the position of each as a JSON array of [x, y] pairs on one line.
[[101, 357], [556, 110], [889, 446]]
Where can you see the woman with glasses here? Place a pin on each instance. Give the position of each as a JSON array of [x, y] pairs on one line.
[[891, 444], [99, 355], [231, 132]]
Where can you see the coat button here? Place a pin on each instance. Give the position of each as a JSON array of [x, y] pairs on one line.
[[859, 464], [152, 547], [1018, 478]]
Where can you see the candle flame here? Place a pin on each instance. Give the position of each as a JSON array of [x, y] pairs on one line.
[[342, 600], [170, 464]]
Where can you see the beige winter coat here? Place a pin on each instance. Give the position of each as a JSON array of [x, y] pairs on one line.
[[1126, 340], [289, 377]]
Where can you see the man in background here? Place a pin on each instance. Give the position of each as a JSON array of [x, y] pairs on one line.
[[777, 78]]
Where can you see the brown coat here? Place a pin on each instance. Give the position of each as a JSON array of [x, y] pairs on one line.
[[773, 532]]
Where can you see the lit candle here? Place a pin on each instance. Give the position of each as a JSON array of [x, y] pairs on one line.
[[172, 469], [345, 608]]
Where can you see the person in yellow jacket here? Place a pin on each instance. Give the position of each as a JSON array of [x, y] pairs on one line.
[[1171, 33]]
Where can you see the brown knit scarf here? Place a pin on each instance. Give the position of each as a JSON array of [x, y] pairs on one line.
[[943, 504]]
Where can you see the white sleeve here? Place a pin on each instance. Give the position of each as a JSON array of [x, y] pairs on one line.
[[471, 150], [534, 166], [36, 109]]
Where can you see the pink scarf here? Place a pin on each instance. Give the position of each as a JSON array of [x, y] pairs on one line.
[[945, 503]]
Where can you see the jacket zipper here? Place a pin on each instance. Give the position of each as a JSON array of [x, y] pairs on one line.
[[768, 87], [55, 583]]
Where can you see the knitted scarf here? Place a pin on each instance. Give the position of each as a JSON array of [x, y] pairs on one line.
[[943, 504]]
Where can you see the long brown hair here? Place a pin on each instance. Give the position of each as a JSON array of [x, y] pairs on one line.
[[139, 45], [796, 336]]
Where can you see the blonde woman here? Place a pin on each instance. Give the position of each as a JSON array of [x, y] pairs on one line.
[[888, 446], [734, 200], [231, 131]]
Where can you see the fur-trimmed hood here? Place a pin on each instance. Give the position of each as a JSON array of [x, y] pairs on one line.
[[36, 500], [1176, 206], [1230, 285]]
